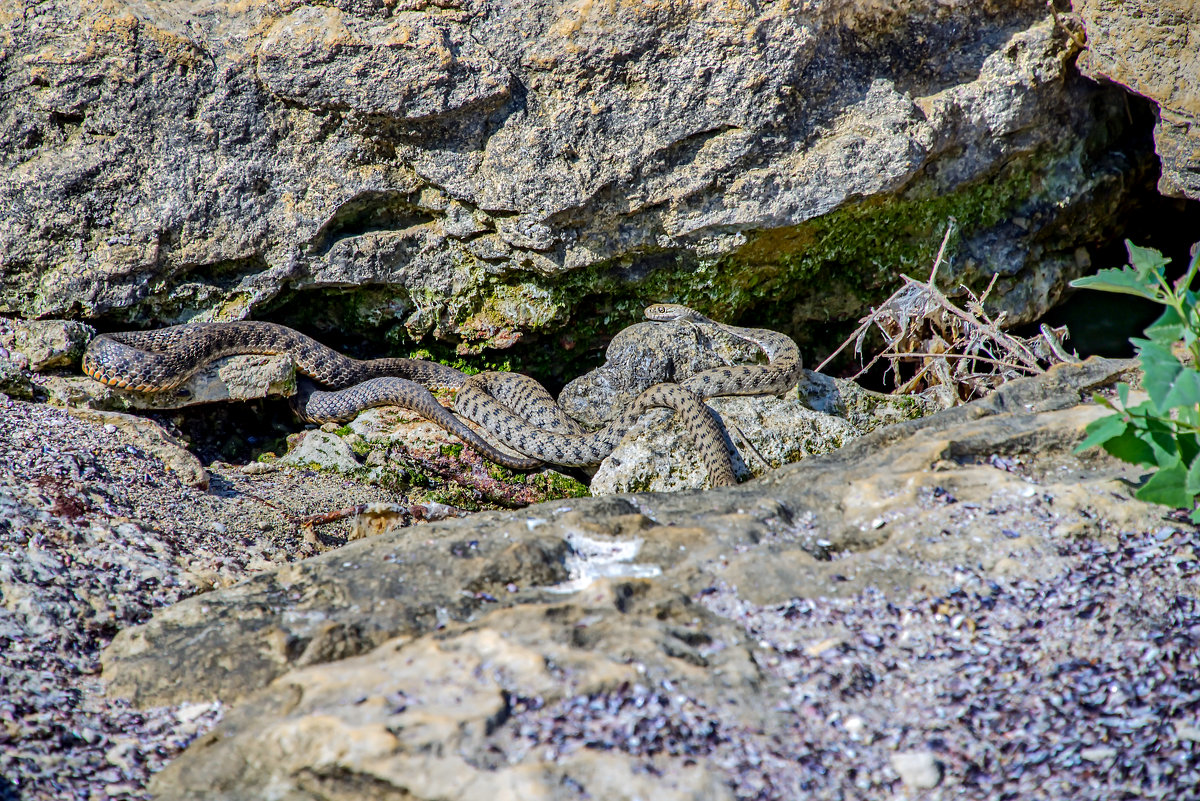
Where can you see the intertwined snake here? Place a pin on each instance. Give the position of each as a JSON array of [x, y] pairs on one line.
[[513, 407], [519, 412]]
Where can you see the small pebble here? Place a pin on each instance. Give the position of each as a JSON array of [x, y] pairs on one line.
[[1098, 753], [917, 769]]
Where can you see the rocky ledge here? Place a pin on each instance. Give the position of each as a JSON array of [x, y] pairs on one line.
[[958, 602]]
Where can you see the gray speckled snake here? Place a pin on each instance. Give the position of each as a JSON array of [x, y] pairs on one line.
[[519, 412], [153, 361], [513, 407]]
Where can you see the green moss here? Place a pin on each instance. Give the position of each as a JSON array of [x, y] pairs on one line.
[[828, 267], [555, 485], [453, 494], [860, 249], [446, 354]]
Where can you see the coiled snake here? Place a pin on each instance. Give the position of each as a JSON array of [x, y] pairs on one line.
[[514, 408], [519, 412]]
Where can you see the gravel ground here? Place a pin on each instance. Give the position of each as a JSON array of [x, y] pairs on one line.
[[1086, 686], [94, 536]]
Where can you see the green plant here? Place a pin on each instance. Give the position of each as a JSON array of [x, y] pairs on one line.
[[1163, 432]]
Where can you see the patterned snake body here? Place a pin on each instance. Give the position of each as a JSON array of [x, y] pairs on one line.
[[520, 412], [511, 406], [780, 374], [533, 429], [154, 361]]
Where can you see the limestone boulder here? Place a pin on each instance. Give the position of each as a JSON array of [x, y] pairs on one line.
[[875, 499], [1149, 47], [478, 171], [675, 645]]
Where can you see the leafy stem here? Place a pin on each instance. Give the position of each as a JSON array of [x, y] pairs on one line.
[[1162, 432]]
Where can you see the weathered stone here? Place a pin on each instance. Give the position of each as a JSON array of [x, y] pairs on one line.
[[569, 648], [49, 344], [864, 409], [658, 455], [233, 378], [411, 67], [14, 382], [382, 594], [403, 718], [323, 450], [1149, 47], [155, 441], [482, 171], [918, 769]]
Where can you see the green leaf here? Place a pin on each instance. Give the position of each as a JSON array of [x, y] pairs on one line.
[[1167, 381], [1168, 329], [1140, 278], [1161, 436], [1132, 448], [1189, 447], [1146, 261], [1101, 430], [1195, 516], [1144, 410], [1188, 416], [1192, 480], [1126, 281], [1168, 486]]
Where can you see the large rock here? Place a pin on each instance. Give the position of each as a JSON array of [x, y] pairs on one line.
[[484, 170], [1149, 47]]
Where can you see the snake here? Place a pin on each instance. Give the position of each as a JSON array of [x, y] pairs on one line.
[[165, 358], [513, 407], [520, 412], [782, 371]]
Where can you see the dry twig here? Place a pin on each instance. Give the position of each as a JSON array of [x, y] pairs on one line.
[[964, 349]]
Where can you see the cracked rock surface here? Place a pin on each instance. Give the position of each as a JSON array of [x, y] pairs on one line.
[[1150, 47], [475, 170]]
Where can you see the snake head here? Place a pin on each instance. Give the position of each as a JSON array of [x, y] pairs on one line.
[[666, 312]]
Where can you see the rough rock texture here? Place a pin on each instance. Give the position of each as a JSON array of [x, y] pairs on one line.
[[477, 169], [47, 344], [1152, 47], [957, 601], [96, 532], [323, 449]]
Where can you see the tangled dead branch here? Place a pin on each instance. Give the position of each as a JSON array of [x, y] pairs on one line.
[[931, 342]]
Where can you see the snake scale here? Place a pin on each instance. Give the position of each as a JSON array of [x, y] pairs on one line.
[[512, 407]]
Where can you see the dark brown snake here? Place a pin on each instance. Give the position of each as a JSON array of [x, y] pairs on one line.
[[513, 407]]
